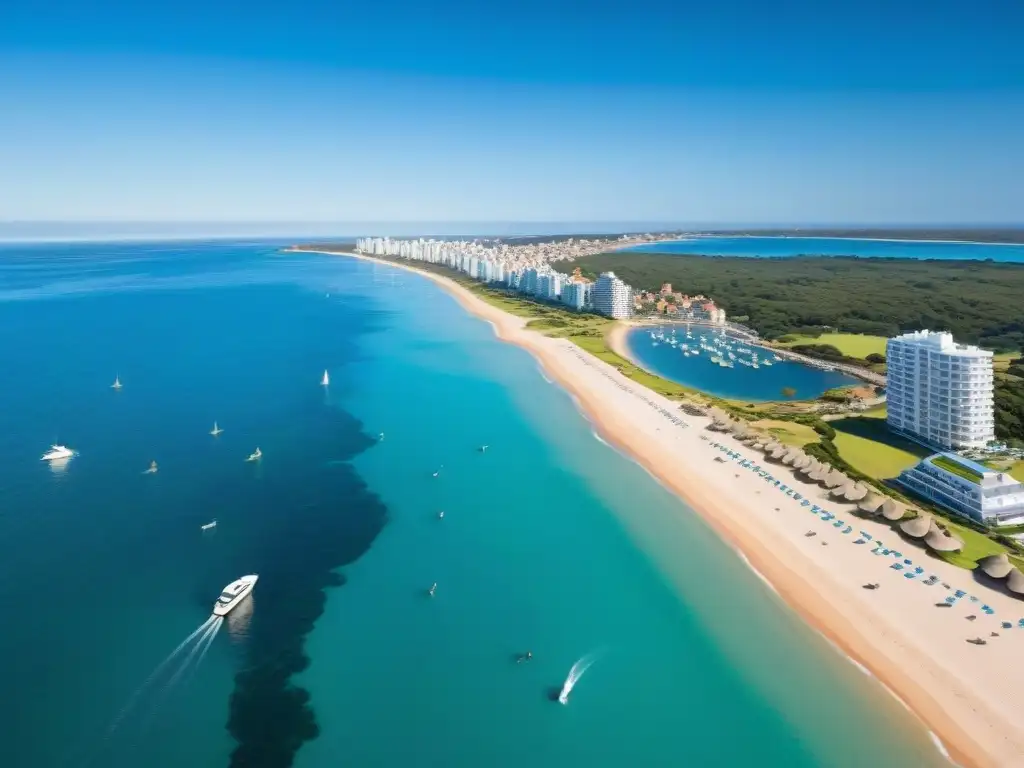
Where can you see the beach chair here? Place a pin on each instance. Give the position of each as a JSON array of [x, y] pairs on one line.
[[959, 593], [805, 503], [860, 541], [897, 567], [1021, 623], [910, 575], [1007, 625], [838, 524], [931, 581], [972, 598], [907, 562], [951, 600], [866, 535]]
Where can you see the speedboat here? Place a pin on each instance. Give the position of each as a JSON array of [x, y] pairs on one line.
[[152, 469], [57, 452], [255, 455], [209, 525], [117, 383], [326, 380], [216, 430], [233, 594], [440, 515], [433, 589]]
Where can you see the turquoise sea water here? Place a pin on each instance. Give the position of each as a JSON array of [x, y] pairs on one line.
[[551, 542], [837, 246], [739, 382]]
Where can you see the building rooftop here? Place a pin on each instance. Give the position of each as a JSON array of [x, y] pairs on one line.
[[942, 341]]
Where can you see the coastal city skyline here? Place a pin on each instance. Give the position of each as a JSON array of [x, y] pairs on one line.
[[535, 385]]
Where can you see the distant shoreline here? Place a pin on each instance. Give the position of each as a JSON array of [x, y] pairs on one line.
[[722, 236], [960, 694]]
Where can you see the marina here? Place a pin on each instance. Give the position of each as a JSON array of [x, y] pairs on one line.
[[724, 364]]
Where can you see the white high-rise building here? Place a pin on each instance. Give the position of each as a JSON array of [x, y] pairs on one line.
[[939, 392], [612, 296], [577, 294]]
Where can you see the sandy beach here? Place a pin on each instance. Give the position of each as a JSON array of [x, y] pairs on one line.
[[969, 696]]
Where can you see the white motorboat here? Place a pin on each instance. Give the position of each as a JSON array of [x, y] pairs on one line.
[[152, 469], [57, 452], [233, 594], [209, 525], [117, 383], [433, 589], [255, 455], [216, 430], [326, 380]]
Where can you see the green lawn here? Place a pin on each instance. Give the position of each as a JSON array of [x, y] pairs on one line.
[[788, 432], [866, 443], [956, 468], [850, 344]]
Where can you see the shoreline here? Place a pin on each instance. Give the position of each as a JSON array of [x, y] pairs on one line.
[[697, 237], [959, 693]]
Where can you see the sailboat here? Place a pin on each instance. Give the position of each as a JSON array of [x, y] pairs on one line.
[[326, 380], [216, 430], [117, 383]]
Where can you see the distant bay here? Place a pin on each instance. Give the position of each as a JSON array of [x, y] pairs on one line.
[[784, 247]]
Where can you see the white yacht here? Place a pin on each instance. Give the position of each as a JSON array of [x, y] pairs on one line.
[[152, 469], [326, 380], [216, 430], [57, 452], [209, 525], [255, 455], [233, 594], [117, 383]]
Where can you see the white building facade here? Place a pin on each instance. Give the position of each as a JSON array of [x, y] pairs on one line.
[[939, 392], [612, 297], [967, 488]]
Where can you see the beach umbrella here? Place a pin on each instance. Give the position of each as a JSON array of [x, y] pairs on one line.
[[835, 478], [812, 466], [996, 566], [790, 456], [940, 542], [757, 446], [891, 510], [918, 527], [819, 474], [871, 504], [839, 491], [803, 460], [856, 492], [1015, 582]]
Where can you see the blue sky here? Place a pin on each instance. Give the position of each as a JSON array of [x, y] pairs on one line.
[[725, 112]]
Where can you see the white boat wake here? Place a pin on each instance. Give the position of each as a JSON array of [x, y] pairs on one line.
[[575, 674]]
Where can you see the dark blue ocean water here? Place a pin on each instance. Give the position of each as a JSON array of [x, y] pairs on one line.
[[551, 542], [837, 246], [740, 382]]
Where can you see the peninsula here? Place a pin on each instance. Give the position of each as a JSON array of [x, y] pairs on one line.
[[855, 577]]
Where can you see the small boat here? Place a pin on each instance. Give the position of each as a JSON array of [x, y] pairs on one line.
[[57, 452], [255, 455], [233, 594], [152, 469], [433, 589], [216, 430], [483, 449], [117, 383], [440, 515], [380, 436], [209, 525], [326, 380]]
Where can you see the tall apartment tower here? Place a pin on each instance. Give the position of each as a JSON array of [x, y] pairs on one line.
[[612, 297], [940, 392]]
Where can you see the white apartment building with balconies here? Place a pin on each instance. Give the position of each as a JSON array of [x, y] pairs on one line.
[[939, 392], [612, 297]]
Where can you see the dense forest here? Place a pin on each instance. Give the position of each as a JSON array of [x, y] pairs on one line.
[[980, 302]]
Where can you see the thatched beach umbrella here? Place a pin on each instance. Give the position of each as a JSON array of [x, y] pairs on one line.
[[836, 478], [996, 566], [812, 466], [855, 492], [940, 542], [891, 510], [871, 504], [791, 455], [1015, 582], [839, 491], [918, 527]]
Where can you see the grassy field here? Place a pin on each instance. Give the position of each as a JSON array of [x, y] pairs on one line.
[[866, 444], [788, 432], [850, 344]]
